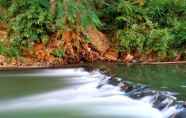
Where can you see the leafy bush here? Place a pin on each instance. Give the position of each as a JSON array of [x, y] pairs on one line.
[[131, 40], [154, 26], [32, 21], [107, 11], [179, 32], [129, 13], [164, 12], [158, 42], [29, 21]]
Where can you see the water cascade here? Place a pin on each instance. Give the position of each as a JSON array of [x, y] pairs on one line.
[[90, 94]]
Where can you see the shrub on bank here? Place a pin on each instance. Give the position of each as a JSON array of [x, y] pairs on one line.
[[147, 27], [151, 26]]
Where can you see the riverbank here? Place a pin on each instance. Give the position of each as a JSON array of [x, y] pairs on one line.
[[35, 33], [51, 55], [40, 65]]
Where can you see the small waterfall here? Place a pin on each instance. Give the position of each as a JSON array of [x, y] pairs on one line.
[[94, 94]]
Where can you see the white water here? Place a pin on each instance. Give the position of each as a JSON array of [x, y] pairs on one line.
[[83, 99]]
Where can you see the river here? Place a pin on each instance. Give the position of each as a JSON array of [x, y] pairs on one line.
[[75, 92]]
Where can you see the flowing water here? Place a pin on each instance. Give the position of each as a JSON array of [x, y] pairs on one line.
[[160, 77], [78, 93]]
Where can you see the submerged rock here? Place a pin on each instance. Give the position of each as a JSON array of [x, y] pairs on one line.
[[144, 93], [181, 114], [114, 81], [163, 100], [138, 91]]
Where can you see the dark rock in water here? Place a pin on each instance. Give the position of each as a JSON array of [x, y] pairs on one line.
[[114, 81], [159, 99], [181, 114], [163, 100], [127, 87], [184, 105], [139, 92], [161, 106], [181, 104], [144, 93]]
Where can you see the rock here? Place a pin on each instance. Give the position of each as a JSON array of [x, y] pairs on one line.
[[184, 104], [144, 93], [163, 100], [111, 55], [128, 58], [113, 81], [178, 57], [126, 86], [98, 40], [181, 114], [138, 92]]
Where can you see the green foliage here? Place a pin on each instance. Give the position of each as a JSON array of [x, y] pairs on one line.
[[107, 11], [2, 48], [58, 53], [157, 27], [32, 21], [131, 39], [76, 15], [129, 13], [158, 42], [9, 51], [164, 12], [179, 32], [29, 21], [153, 26]]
